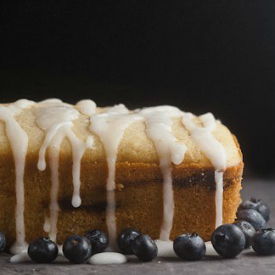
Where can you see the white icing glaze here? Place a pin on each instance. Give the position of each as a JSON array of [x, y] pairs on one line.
[[20, 258], [219, 198], [54, 167], [110, 126], [56, 119], [86, 107], [106, 258], [165, 249], [18, 140], [60, 250], [18, 248], [47, 225], [158, 121], [213, 150], [24, 256], [170, 150], [210, 251]]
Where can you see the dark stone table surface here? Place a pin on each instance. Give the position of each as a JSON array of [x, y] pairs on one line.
[[246, 264]]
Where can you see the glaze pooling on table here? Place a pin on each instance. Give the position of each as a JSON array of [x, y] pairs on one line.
[[105, 258], [18, 140], [22, 257], [57, 119]]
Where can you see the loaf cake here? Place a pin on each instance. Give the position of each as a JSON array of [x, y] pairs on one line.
[[66, 169]]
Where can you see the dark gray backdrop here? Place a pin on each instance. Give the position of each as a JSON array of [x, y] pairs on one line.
[[199, 55]]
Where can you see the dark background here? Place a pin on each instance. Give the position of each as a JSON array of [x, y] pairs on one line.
[[201, 56]]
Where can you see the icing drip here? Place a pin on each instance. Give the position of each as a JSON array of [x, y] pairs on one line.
[[219, 198], [165, 249], [213, 150], [18, 140], [47, 225], [54, 167], [110, 126], [170, 150], [56, 118], [60, 250]]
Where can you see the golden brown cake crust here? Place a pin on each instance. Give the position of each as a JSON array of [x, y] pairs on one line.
[[135, 146]]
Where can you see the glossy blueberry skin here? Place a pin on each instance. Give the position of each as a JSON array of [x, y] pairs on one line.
[[125, 238], [253, 217], [263, 242], [144, 248], [248, 231], [2, 242], [77, 249], [98, 239], [189, 247], [257, 205], [43, 250], [228, 240]]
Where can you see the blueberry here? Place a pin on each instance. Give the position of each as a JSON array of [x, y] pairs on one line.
[[257, 205], [43, 250], [125, 238], [253, 217], [189, 247], [248, 231], [144, 248], [77, 249], [2, 242], [98, 239], [264, 210], [263, 242], [228, 240]]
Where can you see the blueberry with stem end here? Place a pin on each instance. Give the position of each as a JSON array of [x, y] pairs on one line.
[[43, 250], [125, 238], [189, 247], [77, 249], [228, 240]]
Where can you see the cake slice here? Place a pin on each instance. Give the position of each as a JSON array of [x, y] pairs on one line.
[[66, 169]]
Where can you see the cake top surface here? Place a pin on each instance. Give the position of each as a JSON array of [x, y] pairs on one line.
[[138, 141]]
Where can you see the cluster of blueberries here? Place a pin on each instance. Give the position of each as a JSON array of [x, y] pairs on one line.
[[228, 240]]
